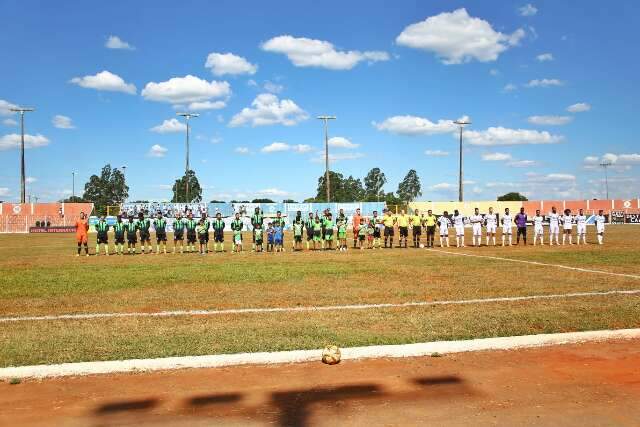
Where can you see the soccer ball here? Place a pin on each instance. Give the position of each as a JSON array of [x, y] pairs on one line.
[[331, 355], [421, 246]]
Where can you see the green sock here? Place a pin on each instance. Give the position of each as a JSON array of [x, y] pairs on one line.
[[97, 249]]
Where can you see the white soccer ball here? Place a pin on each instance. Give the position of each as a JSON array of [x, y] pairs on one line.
[[421, 246], [331, 355]]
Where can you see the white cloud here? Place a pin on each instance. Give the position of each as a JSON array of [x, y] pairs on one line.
[[522, 163], [242, 150], [228, 63], [206, 105], [455, 37], [412, 125], [503, 136], [269, 110], [252, 82], [62, 122], [336, 157], [496, 157], [543, 57], [552, 177], [436, 153], [282, 146], [10, 141], [4, 191], [106, 81], [443, 187], [273, 87], [272, 192], [619, 161], [528, 10], [9, 122], [494, 72], [342, 142], [580, 107], [187, 89], [305, 52], [157, 151], [550, 120], [30, 180], [509, 87], [5, 108], [115, 42], [169, 126], [545, 83]]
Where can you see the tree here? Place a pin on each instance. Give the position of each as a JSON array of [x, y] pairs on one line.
[[217, 201], [342, 190], [289, 201], [335, 179], [73, 199], [108, 189], [352, 190], [180, 189], [262, 201], [512, 197], [410, 189], [373, 183]]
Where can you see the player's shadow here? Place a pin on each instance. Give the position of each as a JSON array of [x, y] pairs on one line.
[[126, 406]]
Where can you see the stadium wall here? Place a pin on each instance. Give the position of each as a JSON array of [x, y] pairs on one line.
[[19, 217]]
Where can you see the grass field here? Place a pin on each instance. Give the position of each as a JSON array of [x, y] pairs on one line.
[[39, 275]]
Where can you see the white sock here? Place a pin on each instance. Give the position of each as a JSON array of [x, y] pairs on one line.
[[510, 240], [503, 238]]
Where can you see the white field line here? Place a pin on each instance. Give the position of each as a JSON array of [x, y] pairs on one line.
[[297, 356], [566, 267], [90, 316]]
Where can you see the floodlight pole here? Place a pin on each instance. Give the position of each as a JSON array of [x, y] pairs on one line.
[[187, 117], [73, 186], [22, 110], [605, 165], [462, 124], [124, 176], [327, 181]]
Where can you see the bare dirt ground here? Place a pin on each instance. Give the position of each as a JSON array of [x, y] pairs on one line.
[[594, 384]]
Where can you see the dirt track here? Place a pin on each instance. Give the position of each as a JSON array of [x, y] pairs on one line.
[[592, 384]]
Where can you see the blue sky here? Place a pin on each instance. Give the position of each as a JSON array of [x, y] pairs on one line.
[[550, 88]]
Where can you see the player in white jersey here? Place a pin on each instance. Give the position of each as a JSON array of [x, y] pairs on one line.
[[567, 226], [581, 220], [507, 222], [476, 223], [491, 220], [444, 223], [538, 230], [458, 224], [554, 226], [600, 220]]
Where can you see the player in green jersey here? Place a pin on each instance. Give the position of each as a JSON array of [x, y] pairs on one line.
[[207, 225], [144, 224], [362, 233], [258, 236], [190, 225], [298, 227], [119, 229], [178, 232], [317, 233], [218, 232], [202, 230], [342, 234], [328, 231], [160, 226], [376, 223], [308, 225], [132, 235], [256, 218], [236, 227], [102, 228]]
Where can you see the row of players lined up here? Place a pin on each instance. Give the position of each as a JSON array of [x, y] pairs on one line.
[[367, 232]]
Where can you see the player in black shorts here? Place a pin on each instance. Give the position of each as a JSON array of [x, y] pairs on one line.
[[256, 218], [308, 225], [190, 224], [206, 224], [132, 235], [144, 225], [102, 228], [218, 232], [178, 233], [160, 225], [119, 228]]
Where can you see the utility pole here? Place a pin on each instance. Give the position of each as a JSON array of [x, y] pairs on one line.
[[73, 186], [124, 176], [462, 124], [22, 110], [187, 117], [327, 182], [605, 165]]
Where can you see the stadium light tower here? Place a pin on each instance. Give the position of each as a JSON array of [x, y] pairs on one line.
[[73, 186], [22, 110], [605, 165], [187, 117], [326, 119], [461, 123]]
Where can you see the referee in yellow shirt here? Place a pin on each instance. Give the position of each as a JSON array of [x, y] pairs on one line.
[[416, 228], [388, 220], [430, 224], [403, 226]]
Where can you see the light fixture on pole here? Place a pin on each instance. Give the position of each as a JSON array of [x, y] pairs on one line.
[[327, 182], [462, 123], [187, 117], [605, 165], [22, 110]]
